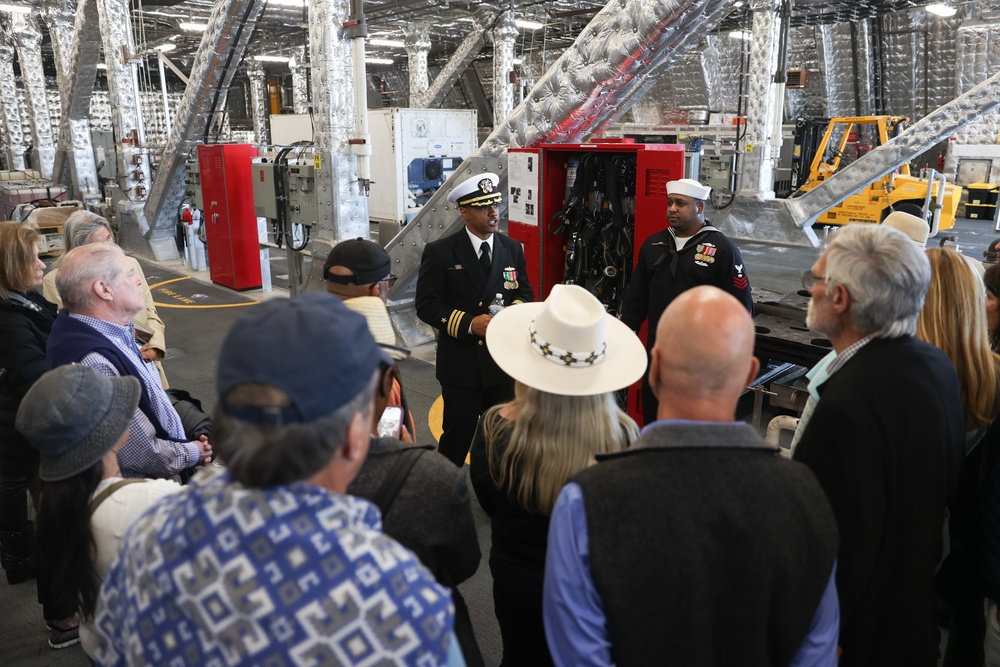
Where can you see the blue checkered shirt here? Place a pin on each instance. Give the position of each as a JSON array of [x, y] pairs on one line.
[[143, 454]]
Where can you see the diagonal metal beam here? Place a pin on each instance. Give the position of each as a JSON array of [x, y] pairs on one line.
[[790, 221], [219, 54], [456, 66]]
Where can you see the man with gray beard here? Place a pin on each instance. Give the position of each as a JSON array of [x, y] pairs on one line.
[[885, 442]]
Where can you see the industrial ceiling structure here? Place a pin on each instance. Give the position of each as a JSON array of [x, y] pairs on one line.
[[545, 26]]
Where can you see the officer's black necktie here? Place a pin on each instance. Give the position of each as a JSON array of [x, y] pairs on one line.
[[484, 257]]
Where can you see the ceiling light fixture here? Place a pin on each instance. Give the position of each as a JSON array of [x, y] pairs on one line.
[[740, 34], [518, 61], [386, 42], [286, 3], [941, 10], [529, 25], [272, 59], [165, 47], [101, 66], [379, 61], [194, 27], [15, 9]]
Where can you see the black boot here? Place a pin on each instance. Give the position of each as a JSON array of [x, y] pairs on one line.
[[17, 553]]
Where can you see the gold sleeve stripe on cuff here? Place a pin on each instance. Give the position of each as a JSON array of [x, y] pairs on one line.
[[454, 322]]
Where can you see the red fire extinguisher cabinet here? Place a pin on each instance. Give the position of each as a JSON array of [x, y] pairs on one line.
[[537, 185], [230, 223]]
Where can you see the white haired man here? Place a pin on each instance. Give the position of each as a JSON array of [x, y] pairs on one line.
[[101, 294], [886, 442]]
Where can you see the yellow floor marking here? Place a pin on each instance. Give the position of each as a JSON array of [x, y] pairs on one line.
[[435, 418], [190, 305], [167, 282], [221, 305]]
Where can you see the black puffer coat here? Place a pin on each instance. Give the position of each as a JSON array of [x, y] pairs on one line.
[[23, 335]]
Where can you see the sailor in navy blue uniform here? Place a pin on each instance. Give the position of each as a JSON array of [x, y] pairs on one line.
[[688, 253]]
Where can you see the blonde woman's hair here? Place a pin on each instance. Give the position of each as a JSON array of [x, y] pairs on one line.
[[954, 319], [18, 254], [551, 438]]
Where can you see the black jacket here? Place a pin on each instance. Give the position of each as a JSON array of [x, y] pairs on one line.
[[663, 272], [886, 442], [452, 290], [24, 333]]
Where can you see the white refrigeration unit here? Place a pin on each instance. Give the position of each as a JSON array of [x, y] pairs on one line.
[[413, 153]]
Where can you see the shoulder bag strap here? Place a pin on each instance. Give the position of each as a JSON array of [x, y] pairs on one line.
[[387, 492], [103, 495]]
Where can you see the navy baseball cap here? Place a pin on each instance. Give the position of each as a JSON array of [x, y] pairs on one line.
[[313, 348]]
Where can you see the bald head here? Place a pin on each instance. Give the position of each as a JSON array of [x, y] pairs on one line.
[[703, 357]]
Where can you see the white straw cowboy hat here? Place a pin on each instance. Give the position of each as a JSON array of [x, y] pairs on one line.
[[567, 345], [914, 227]]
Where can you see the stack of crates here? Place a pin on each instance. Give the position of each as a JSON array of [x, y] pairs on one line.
[[982, 204]]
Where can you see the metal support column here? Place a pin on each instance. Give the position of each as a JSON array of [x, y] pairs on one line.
[[762, 100], [12, 134], [28, 42], [504, 36], [75, 36], [418, 45], [300, 80], [126, 119], [258, 95], [343, 210]]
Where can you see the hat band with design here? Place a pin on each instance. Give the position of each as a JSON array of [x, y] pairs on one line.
[[481, 200], [565, 357]]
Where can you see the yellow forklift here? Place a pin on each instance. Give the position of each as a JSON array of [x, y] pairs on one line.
[[848, 138]]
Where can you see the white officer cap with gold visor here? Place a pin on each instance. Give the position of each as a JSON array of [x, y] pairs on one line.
[[479, 191]]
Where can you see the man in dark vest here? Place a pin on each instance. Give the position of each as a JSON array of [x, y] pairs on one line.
[[700, 545], [101, 294], [886, 441], [460, 276]]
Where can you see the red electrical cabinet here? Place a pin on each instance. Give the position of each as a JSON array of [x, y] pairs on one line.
[[537, 184], [230, 223]]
